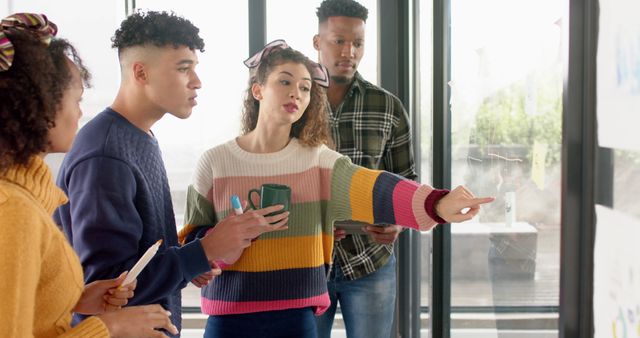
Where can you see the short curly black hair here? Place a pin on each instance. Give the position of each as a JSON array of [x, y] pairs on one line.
[[31, 93], [348, 8], [157, 28]]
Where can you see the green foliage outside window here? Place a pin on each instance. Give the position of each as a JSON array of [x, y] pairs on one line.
[[503, 119]]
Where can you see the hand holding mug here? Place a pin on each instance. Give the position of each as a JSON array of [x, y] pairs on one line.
[[272, 194]]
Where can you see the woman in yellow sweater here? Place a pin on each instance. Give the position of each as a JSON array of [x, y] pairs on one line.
[[40, 275]]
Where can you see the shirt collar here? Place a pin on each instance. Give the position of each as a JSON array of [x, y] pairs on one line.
[[358, 84]]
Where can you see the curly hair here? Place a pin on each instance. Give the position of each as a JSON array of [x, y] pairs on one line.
[[62, 50], [157, 28], [31, 93], [312, 129], [348, 8]]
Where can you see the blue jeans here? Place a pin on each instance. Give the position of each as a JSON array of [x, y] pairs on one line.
[[367, 303], [291, 323]]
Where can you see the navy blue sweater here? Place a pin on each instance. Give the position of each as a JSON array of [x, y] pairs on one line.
[[119, 205]]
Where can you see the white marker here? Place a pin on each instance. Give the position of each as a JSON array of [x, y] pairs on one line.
[[141, 263], [235, 202]]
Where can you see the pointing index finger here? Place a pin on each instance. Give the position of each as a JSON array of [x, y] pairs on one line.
[[481, 200]]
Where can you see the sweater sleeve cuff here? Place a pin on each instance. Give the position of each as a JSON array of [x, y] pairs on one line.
[[91, 327], [193, 259], [430, 204]]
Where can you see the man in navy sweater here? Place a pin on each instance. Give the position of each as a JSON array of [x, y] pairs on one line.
[[115, 178]]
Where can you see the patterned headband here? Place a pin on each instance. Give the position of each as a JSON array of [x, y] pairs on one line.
[[319, 72], [34, 23]]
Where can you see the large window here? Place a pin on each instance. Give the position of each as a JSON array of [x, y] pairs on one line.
[[506, 94], [506, 111]]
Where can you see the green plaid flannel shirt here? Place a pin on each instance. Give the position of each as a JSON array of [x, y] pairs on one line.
[[370, 126]]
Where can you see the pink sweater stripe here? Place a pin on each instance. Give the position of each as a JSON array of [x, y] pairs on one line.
[[319, 303], [308, 186], [417, 204], [402, 202]]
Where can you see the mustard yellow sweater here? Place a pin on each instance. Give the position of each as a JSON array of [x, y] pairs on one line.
[[40, 274]]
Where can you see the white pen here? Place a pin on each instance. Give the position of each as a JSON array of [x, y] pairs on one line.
[[235, 203], [141, 263], [237, 208]]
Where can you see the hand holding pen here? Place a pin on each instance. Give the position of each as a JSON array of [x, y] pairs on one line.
[[112, 294], [216, 265], [234, 256], [104, 296]]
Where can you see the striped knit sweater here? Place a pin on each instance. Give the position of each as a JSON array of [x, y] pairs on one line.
[[287, 269]]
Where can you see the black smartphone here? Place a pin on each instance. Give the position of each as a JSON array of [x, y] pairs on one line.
[[354, 227]]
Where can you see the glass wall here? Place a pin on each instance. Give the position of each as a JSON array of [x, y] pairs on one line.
[[506, 112]]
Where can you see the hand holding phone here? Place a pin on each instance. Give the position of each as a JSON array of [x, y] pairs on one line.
[[354, 227]]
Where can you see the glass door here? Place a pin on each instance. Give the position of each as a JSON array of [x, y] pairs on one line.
[[505, 85], [506, 109]]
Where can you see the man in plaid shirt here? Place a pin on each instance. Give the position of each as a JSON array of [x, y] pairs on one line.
[[370, 126]]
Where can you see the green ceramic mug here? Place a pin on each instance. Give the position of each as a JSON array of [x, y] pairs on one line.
[[272, 194]]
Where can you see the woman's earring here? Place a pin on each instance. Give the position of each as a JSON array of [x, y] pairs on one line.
[[257, 97]]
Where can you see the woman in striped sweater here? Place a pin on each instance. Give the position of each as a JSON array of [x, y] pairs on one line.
[[279, 282]]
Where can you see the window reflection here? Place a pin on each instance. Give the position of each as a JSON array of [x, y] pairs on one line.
[[506, 108]]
